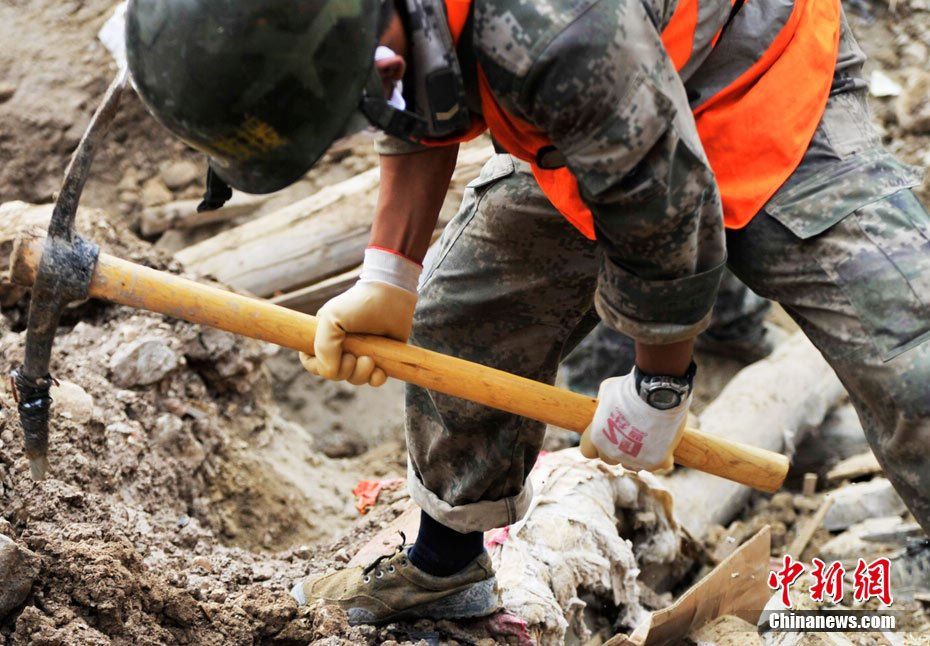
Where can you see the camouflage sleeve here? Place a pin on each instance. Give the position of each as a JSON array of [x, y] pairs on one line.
[[605, 92]]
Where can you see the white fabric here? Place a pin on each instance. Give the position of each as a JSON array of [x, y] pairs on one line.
[[397, 97], [385, 267], [113, 35], [627, 430]]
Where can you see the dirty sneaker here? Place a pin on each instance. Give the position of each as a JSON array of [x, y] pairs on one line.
[[392, 588]]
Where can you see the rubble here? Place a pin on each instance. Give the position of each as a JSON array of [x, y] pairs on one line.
[[142, 362], [856, 466], [18, 569], [179, 174], [197, 479], [72, 402], [857, 502], [154, 192]]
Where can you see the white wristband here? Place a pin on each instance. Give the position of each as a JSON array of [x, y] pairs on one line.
[[389, 267]]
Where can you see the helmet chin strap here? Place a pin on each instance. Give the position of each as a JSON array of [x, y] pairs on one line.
[[403, 124]]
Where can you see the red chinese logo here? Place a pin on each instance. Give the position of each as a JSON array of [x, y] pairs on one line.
[[827, 581], [783, 579], [869, 580], [872, 580], [621, 433]]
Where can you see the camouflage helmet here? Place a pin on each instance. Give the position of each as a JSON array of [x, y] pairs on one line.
[[262, 86]]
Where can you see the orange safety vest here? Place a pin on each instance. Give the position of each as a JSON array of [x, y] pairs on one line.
[[754, 131]]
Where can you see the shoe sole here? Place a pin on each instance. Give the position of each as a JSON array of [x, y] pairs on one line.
[[477, 600]]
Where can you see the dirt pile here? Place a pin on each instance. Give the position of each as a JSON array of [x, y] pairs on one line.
[[174, 476]]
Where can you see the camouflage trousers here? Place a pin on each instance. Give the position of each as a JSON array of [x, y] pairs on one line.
[[844, 246], [737, 318]]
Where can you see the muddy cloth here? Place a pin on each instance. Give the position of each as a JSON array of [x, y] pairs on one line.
[[737, 318], [844, 246]]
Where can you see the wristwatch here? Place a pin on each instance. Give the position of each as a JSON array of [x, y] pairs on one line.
[[663, 391]]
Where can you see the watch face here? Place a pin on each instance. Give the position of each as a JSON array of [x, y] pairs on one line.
[[664, 398]]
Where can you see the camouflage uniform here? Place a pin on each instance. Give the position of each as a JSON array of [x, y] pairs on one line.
[[736, 322], [844, 246]]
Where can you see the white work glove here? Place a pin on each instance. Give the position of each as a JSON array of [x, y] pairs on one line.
[[626, 430], [381, 302]]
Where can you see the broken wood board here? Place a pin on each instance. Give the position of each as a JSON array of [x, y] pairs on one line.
[[313, 239], [809, 528], [310, 298], [750, 410], [856, 466], [183, 214], [738, 586]]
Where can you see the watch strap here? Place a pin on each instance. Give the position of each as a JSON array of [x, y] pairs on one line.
[[640, 376]]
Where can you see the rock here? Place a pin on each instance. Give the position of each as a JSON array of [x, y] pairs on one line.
[[881, 85], [897, 534], [857, 502], [154, 192], [341, 443], [209, 343], [7, 90], [18, 569], [129, 181], [852, 544], [142, 362], [912, 107], [203, 563], [72, 402], [177, 175]]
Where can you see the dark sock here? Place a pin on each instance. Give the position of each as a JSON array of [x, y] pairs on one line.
[[442, 551]]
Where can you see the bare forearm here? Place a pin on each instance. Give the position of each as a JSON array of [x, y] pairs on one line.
[[671, 359], [413, 187]]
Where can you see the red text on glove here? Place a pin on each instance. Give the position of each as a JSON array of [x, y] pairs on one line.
[[623, 435]]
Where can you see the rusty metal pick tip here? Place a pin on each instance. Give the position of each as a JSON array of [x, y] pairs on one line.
[[38, 467]]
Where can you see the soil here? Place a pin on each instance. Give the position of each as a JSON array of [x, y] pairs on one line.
[[182, 511]]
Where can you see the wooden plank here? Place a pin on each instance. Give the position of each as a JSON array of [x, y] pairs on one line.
[[311, 240], [856, 466]]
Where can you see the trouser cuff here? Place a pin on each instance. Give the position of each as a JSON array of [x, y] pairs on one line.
[[472, 517]]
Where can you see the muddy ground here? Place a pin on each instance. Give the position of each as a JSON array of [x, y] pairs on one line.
[[186, 498]]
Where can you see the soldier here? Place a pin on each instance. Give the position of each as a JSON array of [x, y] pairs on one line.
[[613, 115], [737, 330]]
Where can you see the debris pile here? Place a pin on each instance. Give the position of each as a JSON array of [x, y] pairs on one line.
[[196, 475]]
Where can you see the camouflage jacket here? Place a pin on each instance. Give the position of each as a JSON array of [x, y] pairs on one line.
[[595, 77]]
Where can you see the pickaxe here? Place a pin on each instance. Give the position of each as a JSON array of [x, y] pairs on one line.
[[63, 268]]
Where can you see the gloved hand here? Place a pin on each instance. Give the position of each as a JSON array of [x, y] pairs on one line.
[[628, 431], [381, 302]]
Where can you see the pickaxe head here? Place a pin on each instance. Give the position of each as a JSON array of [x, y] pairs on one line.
[[64, 276]]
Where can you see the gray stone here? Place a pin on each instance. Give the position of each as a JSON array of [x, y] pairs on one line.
[[852, 543], [179, 174], [856, 502], [154, 192], [18, 569], [143, 361], [72, 402]]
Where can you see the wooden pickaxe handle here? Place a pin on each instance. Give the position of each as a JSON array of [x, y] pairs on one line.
[[126, 283]]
